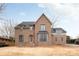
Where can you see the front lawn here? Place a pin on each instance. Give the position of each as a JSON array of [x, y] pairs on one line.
[[69, 50]]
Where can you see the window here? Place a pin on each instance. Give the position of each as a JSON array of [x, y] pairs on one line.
[[56, 39], [42, 28], [21, 38], [30, 38], [31, 28], [58, 31], [42, 37], [54, 30], [61, 39]]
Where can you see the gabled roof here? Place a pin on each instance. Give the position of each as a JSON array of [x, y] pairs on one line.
[[32, 23], [45, 17], [55, 29]]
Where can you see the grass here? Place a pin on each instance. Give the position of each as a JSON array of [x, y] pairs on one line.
[[56, 50]]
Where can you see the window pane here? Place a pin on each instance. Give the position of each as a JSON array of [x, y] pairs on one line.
[[30, 38], [42, 28], [58, 31], [56, 39], [42, 37], [61, 39], [31, 28]]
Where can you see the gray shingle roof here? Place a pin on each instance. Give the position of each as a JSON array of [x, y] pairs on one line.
[[26, 24], [55, 29]]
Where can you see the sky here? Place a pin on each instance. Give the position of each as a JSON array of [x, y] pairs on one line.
[[67, 14]]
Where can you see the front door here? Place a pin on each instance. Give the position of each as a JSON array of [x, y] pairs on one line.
[[31, 40], [21, 40]]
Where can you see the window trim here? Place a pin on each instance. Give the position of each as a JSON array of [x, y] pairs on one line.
[[42, 26]]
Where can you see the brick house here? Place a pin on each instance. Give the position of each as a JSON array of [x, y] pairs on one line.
[[39, 33]]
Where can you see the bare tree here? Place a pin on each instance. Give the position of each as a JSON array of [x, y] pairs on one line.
[[1, 10], [1, 19], [7, 28], [2, 6], [55, 21], [6, 25], [55, 18]]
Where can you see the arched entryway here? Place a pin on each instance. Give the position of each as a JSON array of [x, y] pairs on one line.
[[31, 40]]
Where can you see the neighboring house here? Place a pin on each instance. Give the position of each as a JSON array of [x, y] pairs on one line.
[[76, 41], [39, 33]]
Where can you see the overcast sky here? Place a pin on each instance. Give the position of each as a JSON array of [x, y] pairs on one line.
[[67, 14]]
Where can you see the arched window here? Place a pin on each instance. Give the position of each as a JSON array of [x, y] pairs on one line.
[[21, 38], [62, 39], [30, 38], [56, 39]]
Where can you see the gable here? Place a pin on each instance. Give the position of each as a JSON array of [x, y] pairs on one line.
[[45, 18]]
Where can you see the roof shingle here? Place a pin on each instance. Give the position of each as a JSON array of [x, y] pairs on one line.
[[26, 24], [55, 29]]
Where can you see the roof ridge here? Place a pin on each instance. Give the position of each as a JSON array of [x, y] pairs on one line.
[[45, 17]]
